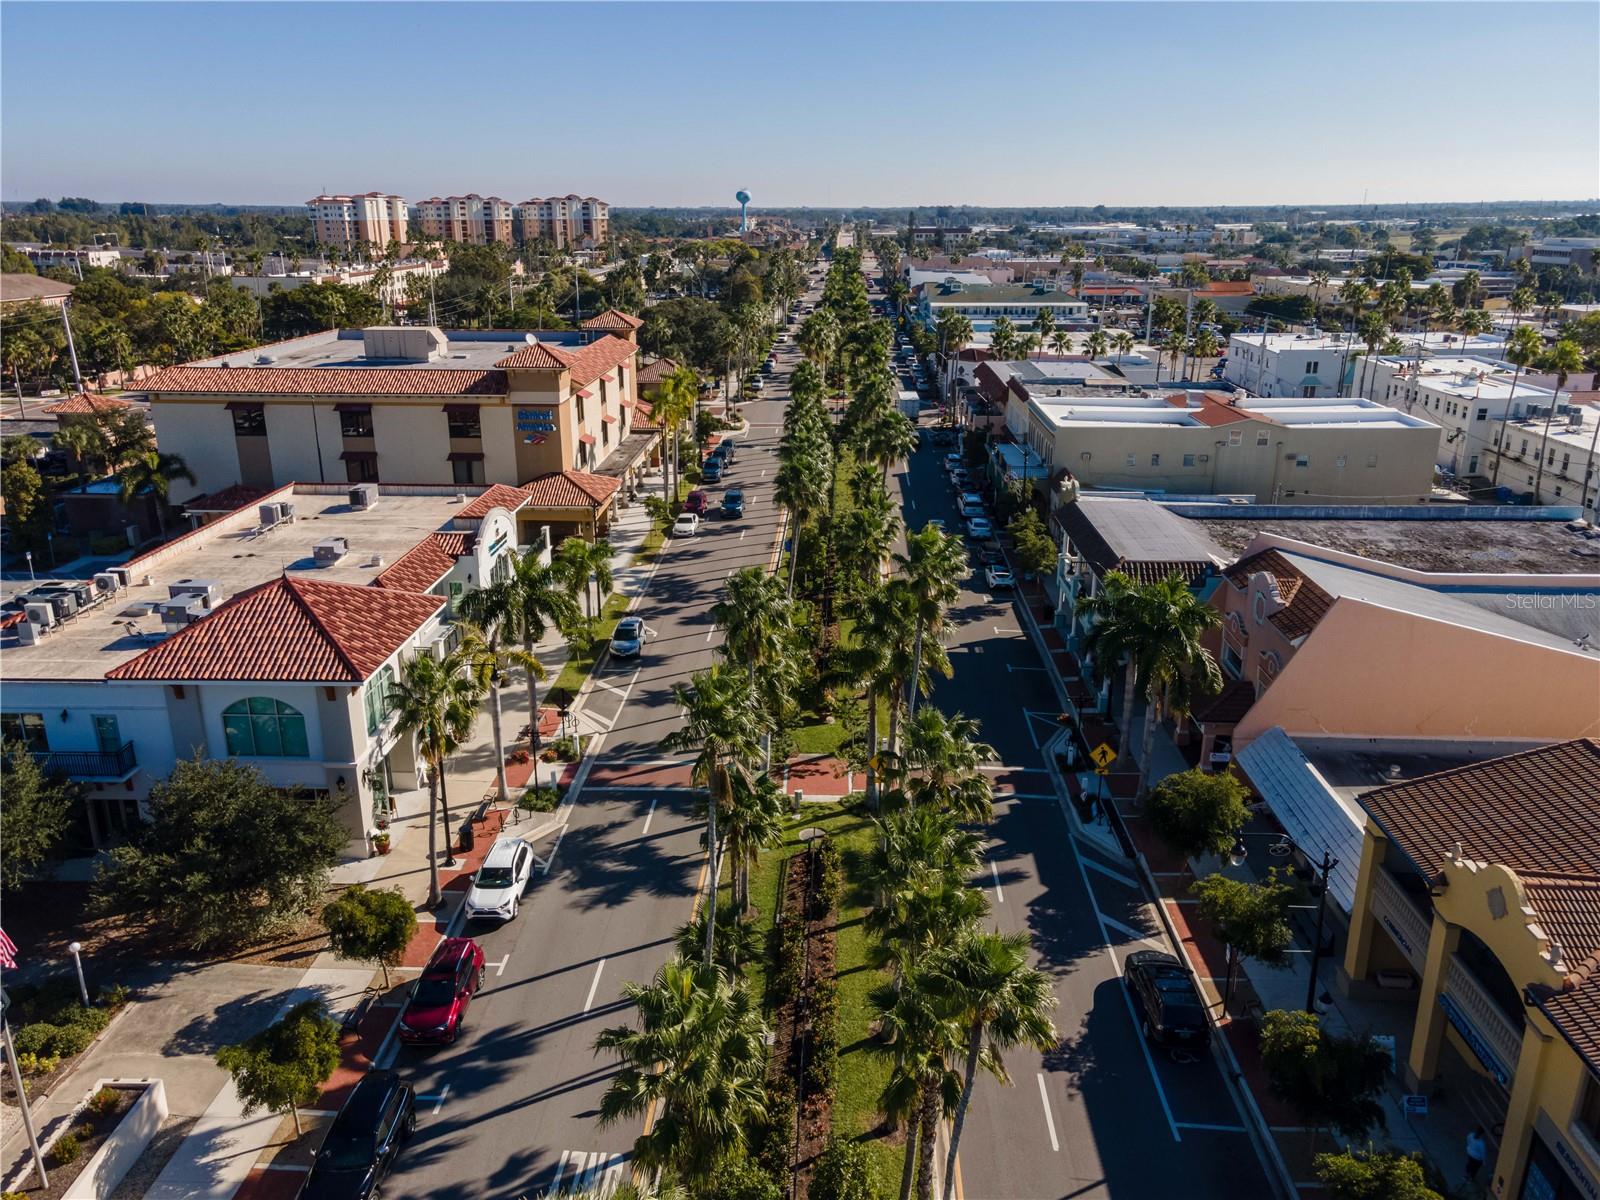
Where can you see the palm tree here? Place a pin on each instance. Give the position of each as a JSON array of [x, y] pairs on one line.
[[1003, 340], [917, 845], [1471, 322], [757, 619], [939, 765], [533, 600], [151, 472], [437, 702], [1044, 324], [722, 721], [932, 566], [955, 332], [818, 339], [1097, 343], [889, 440], [1176, 347], [914, 920], [487, 661], [865, 537], [882, 617], [1374, 329], [1114, 632], [1203, 345], [699, 1057], [921, 1030], [1319, 280], [1521, 301], [1123, 341], [1061, 343], [753, 822], [1174, 665], [583, 565], [1354, 293], [1004, 1003], [674, 403], [1561, 360], [1523, 349]]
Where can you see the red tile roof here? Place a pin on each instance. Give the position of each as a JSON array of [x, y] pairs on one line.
[[571, 489], [1229, 706], [654, 372], [422, 566], [499, 495], [234, 496], [1305, 603], [328, 381], [1227, 287], [290, 629], [594, 360], [1219, 414], [612, 319], [84, 403], [537, 357]]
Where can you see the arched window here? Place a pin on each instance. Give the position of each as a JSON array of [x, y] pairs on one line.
[[262, 727]]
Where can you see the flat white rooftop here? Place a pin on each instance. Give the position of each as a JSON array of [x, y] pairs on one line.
[[230, 552], [1468, 378]]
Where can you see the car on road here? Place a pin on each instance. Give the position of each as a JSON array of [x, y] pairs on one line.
[[979, 527], [437, 1005], [952, 462], [936, 523], [1165, 998], [733, 502], [711, 471], [728, 448], [969, 503], [687, 525], [998, 577], [627, 639], [696, 502], [362, 1143], [496, 892], [990, 556], [958, 479]]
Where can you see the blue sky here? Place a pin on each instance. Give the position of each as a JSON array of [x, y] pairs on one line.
[[890, 103]]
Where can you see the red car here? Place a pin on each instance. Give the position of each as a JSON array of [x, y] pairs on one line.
[[696, 503], [439, 999]]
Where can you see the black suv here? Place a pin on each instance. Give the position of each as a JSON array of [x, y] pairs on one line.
[[366, 1135], [1170, 1010]]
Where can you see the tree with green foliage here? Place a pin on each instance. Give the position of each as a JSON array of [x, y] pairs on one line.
[[1003, 343], [1370, 1174], [437, 703], [932, 569], [370, 926], [1561, 360], [27, 504], [1523, 349], [843, 1172], [921, 1032], [698, 1057], [35, 816], [283, 1068], [315, 307], [1036, 552], [1333, 1081], [1197, 813], [1250, 919], [226, 856]]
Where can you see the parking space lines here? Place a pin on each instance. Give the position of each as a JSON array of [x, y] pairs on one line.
[[1130, 932], [1102, 869], [1049, 1118], [598, 1172], [438, 1101], [499, 967], [594, 984], [649, 816], [994, 870]]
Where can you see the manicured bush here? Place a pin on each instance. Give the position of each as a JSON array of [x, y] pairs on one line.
[[67, 1149], [741, 1179], [843, 1172], [37, 1064], [772, 1143], [541, 799], [104, 1101]]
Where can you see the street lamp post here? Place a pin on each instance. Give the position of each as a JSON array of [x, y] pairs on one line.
[[1328, 864], [76, 950]]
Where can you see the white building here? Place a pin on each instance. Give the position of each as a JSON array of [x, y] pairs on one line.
[[74, 258], [1287, 364], [1465, 397], [1018, 303], [272, 635], [393, 292], [1566, 441]]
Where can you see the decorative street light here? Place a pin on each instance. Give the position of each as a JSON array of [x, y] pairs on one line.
[[1237, 856]]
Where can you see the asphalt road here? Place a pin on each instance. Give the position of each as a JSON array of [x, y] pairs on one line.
[[511, 1108]]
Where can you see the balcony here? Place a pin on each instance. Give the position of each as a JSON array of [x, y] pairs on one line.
[[114, 765]]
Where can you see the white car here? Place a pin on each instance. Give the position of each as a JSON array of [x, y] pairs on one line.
[[952, 461], [999, 577], [496, 893], [687, 525], [979, 527], [970, 503]]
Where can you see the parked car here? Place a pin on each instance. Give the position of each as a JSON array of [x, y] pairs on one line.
[[958, 479], [711, 471], [728, 448], [627, 639], [733, 502], [1170, 1010], [998, 577], [377, 1119], [687, 525], [696, 502], [979, 527], [952, 462], [936, 523], [437, 1005], [970, 502], [496, 892], [990, 556]]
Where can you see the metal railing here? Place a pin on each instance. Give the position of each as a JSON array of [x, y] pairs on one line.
[[89, 764], [1501, 1035]]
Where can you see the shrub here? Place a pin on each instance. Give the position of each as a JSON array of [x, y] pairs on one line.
[[791, 959], [37, 1064], [543, 798], [113, 996], [66, 1149], [741, 1179], [104, 1101], [1370, 1175], [830, 878], [843, 1172], [772, 1140]]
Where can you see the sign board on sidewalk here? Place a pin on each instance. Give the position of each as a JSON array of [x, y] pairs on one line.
[[1415, 1105], [1103, 755]]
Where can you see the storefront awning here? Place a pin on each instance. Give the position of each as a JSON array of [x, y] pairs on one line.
[[461, 410], [586, 438]]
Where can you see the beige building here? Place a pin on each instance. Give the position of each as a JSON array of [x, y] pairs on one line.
[[471, 219], [410, 405], [349, 221], [568, 221], [1278, 450]]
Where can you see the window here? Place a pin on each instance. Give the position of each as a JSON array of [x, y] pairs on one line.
[[362, 470], [1155, 460], [1235, 437], [27, 728], [262, 727], [1482, 415], [379, 699], [1302, 460], [464, 423], [1339, 462], [250, 422], [467, 471], [1587, 1118], [356, 424], [107, 733], [1309, 391], [1232, 663], [1261, 439], [1188, 460], [1523, 449]]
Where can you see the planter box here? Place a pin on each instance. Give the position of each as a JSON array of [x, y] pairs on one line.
[[118, 1153]]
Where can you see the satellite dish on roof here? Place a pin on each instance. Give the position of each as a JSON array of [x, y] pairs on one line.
[[530, 339]]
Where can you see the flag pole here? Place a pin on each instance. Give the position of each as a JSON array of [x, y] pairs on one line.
[[22, 1101]]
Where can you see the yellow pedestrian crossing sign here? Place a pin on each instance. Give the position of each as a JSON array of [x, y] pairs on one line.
[[1103, 756]]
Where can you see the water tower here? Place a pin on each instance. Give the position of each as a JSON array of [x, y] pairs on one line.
[[743, 197]]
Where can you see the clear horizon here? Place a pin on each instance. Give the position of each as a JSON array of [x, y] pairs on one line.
[[808, 105]]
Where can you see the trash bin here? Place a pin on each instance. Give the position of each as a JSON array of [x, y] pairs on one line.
[[468, 838]]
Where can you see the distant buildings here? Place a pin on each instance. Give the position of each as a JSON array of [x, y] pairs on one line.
[[74, 258], [1578, 253], [983, 306], [375, 218], [35, 289]]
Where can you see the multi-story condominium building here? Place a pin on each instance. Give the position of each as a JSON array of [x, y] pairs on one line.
[[1284, 451], [273, 635], [411, 405], [1466, 397], [472, 219], [373, 219], [568, 221]]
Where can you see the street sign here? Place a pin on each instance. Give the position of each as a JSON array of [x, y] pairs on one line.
[[1415, 1105], [1102, 770], [1103, 755]]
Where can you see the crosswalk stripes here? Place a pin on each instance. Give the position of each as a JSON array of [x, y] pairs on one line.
[[597, 1172]]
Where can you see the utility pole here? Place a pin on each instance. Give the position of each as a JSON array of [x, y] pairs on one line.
[[77, 377]]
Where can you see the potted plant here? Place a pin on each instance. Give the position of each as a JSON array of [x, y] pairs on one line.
[[380, 841], [519, 756]]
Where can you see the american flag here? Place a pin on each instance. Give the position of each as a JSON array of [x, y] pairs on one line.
[[8, 951]]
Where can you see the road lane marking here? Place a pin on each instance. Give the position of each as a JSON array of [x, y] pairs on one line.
[[438, 1101], [1011, 667], [499, 967], [544, 867], [711, 633], [742, 532], [1110, 874], [1003, 632], [595, 983], [1049, 1120], [1000, 897], [649, 816], [1130, 931]]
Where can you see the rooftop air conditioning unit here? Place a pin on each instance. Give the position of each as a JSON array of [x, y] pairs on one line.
[[330, 550], [364, 496], [41, 613], [61, 605], [180, 611], [124, 576], [1575, 418], [285, 510], [269, 515], [28, 634], [106, 584], [207, 591]]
